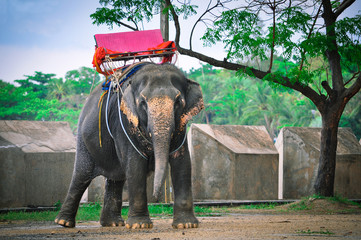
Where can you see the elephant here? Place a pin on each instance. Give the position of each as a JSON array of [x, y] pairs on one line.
[[136, 128]]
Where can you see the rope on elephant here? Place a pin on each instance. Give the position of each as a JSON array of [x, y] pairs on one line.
[[115, 81]]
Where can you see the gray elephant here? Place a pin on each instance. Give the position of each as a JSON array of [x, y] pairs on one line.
[[139, 126]]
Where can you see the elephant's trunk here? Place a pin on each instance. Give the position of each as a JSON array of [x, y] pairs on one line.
[[161, 123]]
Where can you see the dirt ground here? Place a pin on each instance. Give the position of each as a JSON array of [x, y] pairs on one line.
[[323, 221]]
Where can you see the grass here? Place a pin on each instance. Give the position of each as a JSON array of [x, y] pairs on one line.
[[28, 216], [258, 206], [91, 212], [304, 204], [337, 199], [300, 206], [308, 231]]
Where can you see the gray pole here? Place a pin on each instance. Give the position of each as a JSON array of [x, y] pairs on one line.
[[164, 28], [164, 23]]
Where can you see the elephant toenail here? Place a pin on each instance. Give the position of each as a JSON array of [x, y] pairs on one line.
[[136, 226]]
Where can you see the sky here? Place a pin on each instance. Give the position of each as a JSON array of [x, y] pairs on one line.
[[56, 36]]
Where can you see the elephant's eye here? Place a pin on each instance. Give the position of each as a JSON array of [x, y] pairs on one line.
[[143, 105], [142, 112], [179, 102]]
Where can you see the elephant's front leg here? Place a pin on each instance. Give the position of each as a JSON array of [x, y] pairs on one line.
[[138, 216], [112, 210], [181, 178]]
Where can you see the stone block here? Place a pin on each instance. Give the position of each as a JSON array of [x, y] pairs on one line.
[[299, 150], [47, 177], [12, 175], [232, 162], [96, 190], [36, 161]]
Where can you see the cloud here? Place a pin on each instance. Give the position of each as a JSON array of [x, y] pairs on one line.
[[20, 61], [57, 36]]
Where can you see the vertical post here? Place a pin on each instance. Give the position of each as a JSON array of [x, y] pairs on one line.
[[164, 21], [164, 28]]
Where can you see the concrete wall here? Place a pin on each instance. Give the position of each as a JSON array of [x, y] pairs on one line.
[[47, 177], [12, 177], [299, 150], [36, 162], [34, 179], [233, 162], [96, 190]]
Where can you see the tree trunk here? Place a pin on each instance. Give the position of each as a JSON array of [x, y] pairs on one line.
[[324, 185], [164, 22]]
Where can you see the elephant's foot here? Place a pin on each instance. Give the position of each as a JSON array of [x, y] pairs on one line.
[[139, 222], [185, 221], [111, 220], [65, 221]]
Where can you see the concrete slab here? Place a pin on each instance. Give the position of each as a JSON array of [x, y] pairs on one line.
[[36, 162], [38, 136], [233, 162], [299, 150]]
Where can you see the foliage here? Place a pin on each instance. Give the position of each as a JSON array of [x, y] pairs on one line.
[[238, 100], [229, 99], [133, 13], [42, 97]]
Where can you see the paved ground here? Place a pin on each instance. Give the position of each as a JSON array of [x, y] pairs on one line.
[[319, 223]]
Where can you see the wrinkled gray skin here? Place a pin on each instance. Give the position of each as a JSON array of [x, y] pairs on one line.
[[157, 103]]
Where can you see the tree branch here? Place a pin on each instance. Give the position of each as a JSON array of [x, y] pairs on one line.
[[327, 87], [353, 76], [343, 6], [353, 90], [128, 26], [273, 34], [309, 35], [199, 19], [317, 99], [332, 54]]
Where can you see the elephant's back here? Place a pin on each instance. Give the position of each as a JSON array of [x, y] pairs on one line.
[[88, 124], [97, 140], [90, 104]]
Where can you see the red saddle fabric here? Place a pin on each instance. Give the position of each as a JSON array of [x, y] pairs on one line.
[[136, 43]]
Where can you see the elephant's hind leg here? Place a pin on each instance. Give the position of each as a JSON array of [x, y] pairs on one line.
[[66, 216], [112, 210], [82, 176]]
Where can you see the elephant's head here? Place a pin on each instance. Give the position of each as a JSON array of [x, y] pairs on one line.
[[161, 100]]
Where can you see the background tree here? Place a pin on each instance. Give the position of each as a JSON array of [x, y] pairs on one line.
[[38, 83], [47, 98], [82, 80], [297, 30], [256, 102]]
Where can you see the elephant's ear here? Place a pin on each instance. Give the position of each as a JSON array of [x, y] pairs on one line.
[[194, 102], [127, 106]]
